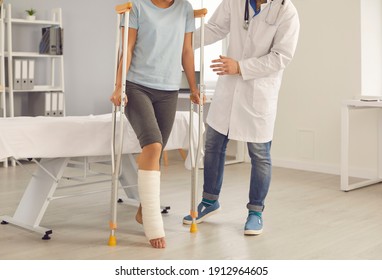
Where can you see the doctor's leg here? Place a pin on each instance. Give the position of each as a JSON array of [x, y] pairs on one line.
[[214, 160], [261, 172]]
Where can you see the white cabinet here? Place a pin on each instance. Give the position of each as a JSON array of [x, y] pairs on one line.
[[48, 77]]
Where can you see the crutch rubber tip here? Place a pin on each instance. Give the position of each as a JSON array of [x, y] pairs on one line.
[[193, 228], [112, 240]]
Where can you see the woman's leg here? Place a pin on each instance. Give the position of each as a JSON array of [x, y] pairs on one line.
[[141, 115], [164, 104], [151, 114]]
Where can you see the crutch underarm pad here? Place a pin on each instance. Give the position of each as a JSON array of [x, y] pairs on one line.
[[121, 9], [200, 13]]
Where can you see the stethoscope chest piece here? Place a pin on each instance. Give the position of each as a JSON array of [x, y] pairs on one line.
[[246, 24]]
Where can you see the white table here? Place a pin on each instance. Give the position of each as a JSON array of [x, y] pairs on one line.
[[348, 105]]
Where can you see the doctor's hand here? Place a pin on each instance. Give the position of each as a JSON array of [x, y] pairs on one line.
[[115, 98], [225, 66]]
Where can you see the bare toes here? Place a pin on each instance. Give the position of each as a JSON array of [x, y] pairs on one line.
[[158, 243]]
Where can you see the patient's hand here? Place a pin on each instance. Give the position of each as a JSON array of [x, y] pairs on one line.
[[195, 97], [115, 98]]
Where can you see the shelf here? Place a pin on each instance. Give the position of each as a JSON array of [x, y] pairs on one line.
[[33, 54], [38, 88], [54, 80], [36, 22]]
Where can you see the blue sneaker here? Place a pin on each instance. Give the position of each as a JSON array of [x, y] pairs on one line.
[[203, 213], [254, 225]]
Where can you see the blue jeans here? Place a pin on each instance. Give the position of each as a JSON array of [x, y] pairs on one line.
[[261, 171]]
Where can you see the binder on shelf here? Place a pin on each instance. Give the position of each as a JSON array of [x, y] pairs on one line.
[[57, 40], [17, 75], [30, 80], [52, 40], [60, 109], [24, 74], [61, 44], [54, 107], [44, 43], [48, 104]]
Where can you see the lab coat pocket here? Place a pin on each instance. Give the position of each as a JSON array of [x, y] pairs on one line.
[[263, 37], [265, 96]]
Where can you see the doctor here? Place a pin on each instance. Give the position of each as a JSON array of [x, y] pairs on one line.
[[262, 41]]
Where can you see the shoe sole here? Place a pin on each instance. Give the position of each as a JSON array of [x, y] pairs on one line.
[[251, 232], [198, 221]]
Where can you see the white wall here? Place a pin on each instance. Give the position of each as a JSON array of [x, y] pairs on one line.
[[325, 71]]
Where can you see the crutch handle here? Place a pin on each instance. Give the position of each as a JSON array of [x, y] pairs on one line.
[[200, 13], [121, 9]]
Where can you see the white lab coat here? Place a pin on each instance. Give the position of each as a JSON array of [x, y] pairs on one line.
[[244, 107]]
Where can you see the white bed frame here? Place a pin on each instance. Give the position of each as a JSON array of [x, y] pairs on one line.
[[21, 138]]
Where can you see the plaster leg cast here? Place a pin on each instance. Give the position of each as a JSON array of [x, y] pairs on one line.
[[149, 194]]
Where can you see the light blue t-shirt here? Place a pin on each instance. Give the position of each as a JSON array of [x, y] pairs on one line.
[[157, 56]]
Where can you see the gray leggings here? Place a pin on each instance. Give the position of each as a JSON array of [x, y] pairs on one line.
[[151, 113]]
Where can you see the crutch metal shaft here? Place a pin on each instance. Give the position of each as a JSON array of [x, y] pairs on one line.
[[123, 9], [196, 157]]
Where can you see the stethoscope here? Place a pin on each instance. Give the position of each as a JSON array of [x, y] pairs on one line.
[[246, 14]]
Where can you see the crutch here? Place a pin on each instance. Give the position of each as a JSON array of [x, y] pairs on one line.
[[195, 157], [116, 155]]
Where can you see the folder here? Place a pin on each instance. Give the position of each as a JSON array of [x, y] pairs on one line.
[[57, 47], [24, 74], [30, 74], [48, 104], [53, 40], [54, 107], [60, 108], [44, 43], [17, 75], [58, 40], [61, 45]]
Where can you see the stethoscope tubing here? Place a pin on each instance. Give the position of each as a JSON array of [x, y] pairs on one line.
[[246, 13]]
